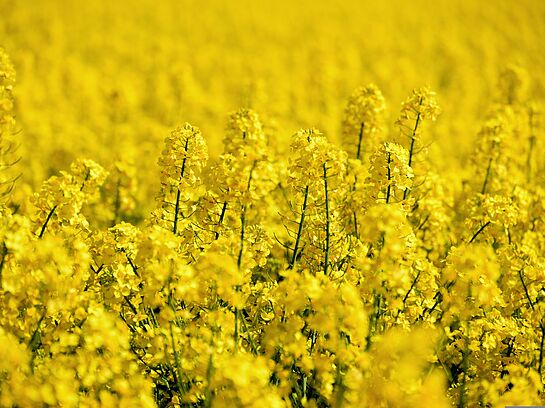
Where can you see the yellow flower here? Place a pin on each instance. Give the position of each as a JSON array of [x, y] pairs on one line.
[[362, 120]]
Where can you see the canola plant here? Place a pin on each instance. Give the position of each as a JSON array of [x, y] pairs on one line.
[[272, 204]]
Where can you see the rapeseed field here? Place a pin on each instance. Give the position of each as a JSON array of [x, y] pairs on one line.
[[272, 204]]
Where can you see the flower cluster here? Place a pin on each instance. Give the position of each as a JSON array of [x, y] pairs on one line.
[[362, 120], [279, 272]]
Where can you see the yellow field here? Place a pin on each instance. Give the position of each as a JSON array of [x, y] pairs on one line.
[[246, 203]]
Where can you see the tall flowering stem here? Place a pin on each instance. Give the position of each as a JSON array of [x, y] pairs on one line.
[[182, 160], [419, 107]]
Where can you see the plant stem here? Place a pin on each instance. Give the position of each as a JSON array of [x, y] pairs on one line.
[[242, 230], [412, 286], [250, 340], [235, 334], [300, 230], [486, 224], [413, 136], [327, 225], [4, 252], [356, 225], [388, 191], [541, 324], [243, 216], [222, 216], [178, 193], [487, 175], [133, 266], [542, 343], [373, 320], [34, 338], [413, 141], [360, 137], [47, 221]]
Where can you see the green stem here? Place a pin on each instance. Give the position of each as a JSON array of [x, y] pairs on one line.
[[486, 224], [243, 217], [327, 225], [411, 149], [487, 175], [412, 286], [42, 231], [373, 320], [413, 140], [34, 338], [541, 324], [356, 225], [353, 188], [235, 334], [242, 230], [222, 217], [178, 193], [389, 178], [253, 345], [542, 343], [360, 137], [4, 252], [525, 289], [406, 192], [133, 266], [300, 230], [176, 212], [413, 136]]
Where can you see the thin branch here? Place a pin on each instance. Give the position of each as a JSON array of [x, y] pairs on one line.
[[479, 231], [300, 230], [413, 140], [47, 221], [327, 224], [360, 137], [222, 216], [178, 193], [389, 178], [487, 175]]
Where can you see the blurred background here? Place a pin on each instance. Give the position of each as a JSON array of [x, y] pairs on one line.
[[108, 80]]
